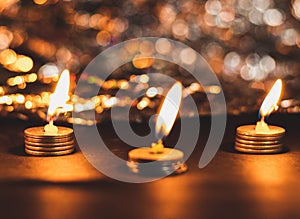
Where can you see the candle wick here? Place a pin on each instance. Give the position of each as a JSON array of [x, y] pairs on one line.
[[50, 127], [158, 147]]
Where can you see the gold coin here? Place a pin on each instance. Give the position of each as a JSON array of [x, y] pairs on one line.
[[43, 140], [242, 141], [255, 138], [168, 154], [39, 132], [253, 151], [249, 130], [48, 153], [47, 138], [46, 144], [45, 149], [258, 147]]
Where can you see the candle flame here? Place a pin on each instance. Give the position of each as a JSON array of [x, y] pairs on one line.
[[58, 99], [169, 110], [271, 100]]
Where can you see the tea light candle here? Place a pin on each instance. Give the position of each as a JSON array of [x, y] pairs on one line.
[[262, 138], [168, 160], [51, 140]]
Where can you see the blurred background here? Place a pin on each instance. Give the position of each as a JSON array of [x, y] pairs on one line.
[[248, 44]]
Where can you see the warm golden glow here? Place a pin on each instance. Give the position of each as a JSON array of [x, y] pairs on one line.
[[58, 100], [6, 4], [103, 38], [40, 2], [41, 47], [23, 63], [169, 110], [140, 62], [28, 104], [143, 103], [271, 100], [7, 57]]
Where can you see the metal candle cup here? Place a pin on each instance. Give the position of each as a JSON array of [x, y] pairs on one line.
[[166, 160]]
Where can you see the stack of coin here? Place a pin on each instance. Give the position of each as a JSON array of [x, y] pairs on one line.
[[40, 143], [248, 140]]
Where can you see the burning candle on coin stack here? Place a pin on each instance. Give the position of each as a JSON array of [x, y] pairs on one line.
[[168, 160], [51, 140], [262, 138]]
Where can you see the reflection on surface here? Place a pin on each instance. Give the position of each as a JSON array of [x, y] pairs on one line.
[[266, 182], [170, 197], [70, 203]]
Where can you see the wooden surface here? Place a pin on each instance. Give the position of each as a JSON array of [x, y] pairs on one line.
[[233, 185]]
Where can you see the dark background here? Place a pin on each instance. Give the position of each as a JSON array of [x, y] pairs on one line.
[[248, 44]]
